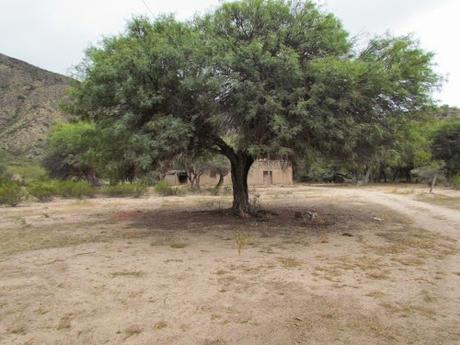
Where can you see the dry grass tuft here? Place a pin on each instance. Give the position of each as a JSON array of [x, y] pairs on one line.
[[376, 294], [135, 274], [18, 328], [178, 245], [323, 238], [65, 322], [132, 331], [241, 239], [441, 200], [160, 325], [290, 262], [371, 267], [407, 310]]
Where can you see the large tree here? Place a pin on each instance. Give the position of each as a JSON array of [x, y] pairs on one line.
[[253, 78]]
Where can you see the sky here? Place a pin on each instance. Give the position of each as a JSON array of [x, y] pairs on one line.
[[53, 34]]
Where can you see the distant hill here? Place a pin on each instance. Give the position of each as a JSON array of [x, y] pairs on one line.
[[30, 100]]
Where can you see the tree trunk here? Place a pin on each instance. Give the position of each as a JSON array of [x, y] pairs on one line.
[[433, 183], [408, 175], [241, 163], [368, 176], [396, 174], [197, 181], [194, 179], [221, 181]]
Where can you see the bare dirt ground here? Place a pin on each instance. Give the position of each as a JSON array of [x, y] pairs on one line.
[[378, 265]]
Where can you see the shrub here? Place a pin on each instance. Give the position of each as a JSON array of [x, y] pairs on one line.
[[164, 189], [11, 193], [28, 171], [135, 190], [456, 181], [43, 190], [75, 189]]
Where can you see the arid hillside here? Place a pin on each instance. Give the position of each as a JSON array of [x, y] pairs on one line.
[[29, 106]]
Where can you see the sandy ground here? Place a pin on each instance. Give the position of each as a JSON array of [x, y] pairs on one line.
[[378, 265]]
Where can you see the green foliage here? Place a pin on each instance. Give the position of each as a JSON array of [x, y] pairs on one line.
[[70, 151], [43, 190], [29, 171], [164, 189], [75, 189], [3, 168], [456, 181], [446, 145], [426, 174], [11, 193], [254, 78], [135, 190]]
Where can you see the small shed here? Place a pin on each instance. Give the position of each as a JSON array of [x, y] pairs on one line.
[[264, 172]]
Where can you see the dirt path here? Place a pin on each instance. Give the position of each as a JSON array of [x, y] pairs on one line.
[[427, 216]]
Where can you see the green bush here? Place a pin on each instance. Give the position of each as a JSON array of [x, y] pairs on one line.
[[43, 190], [75, 189], [28, 171], [456, 181], [11, 193], [135, 190], [164, 189]]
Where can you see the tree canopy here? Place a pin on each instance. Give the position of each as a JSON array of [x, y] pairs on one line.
[[446, 146], [70, 151], [254, 78]]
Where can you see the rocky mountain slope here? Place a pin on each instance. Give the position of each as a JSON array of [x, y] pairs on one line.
[[30, 100]]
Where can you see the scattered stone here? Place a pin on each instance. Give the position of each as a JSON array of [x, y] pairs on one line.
[[307, 216], [377, 219], [17, 179], [323, 238]]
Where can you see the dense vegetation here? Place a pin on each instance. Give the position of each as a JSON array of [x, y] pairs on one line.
[[425, 142], [253, 79]]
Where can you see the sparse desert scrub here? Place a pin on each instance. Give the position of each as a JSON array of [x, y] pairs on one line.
[[164, 189], [11, 193], [43, 190], [135, 190]]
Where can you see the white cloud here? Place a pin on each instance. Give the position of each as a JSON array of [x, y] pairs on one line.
[[53, 34]]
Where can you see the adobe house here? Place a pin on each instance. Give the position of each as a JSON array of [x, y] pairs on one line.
[[264, 172]]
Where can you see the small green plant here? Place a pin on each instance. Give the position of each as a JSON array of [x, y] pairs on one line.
[[11, 194], [214, 191], [43, 190], [75, 189], [241, 239], [135, 190], [164, 189], [456, 181], [160, 325], [178, 245]]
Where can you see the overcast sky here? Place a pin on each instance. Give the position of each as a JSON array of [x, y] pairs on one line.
[[53, 34]]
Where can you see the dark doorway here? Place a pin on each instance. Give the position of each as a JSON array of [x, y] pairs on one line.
[[268, 177], [182, 177]]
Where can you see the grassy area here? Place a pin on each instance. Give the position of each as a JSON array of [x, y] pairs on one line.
[[452, 202]]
